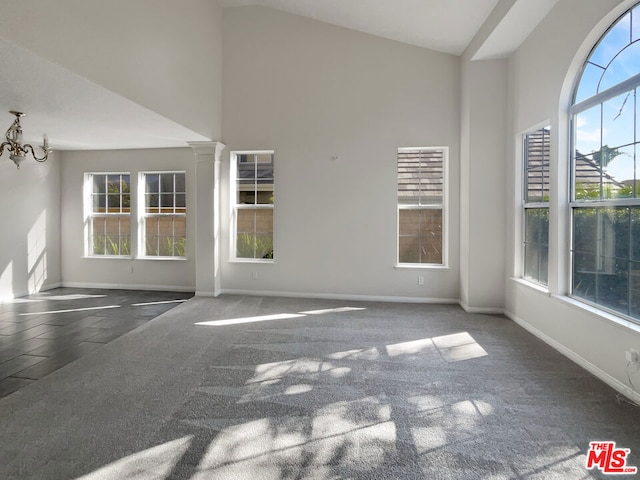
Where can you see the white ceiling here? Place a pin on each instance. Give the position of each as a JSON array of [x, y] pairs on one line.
[[78, 114], [75, 113], [444, 25]]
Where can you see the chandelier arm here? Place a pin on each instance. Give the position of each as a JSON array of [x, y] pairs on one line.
[[5, 144], [28, 147]]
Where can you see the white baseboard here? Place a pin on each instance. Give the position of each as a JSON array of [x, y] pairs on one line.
[[24, 293], [129, 286], [485, 310], [338, 296], [567, 352], [200, 293]]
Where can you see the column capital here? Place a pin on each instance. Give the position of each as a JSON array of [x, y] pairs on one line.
[[208, 148]]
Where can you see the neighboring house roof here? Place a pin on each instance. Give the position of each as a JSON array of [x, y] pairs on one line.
[[420, 176]]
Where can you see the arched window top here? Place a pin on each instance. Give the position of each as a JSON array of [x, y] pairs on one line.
[[614, 59]]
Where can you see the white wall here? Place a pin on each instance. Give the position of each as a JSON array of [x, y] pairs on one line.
[[30, 229], [78, 270], [484, 114], [542, 73], [162, 54], [312, 91]]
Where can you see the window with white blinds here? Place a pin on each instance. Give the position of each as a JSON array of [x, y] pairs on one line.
[[421, 205]]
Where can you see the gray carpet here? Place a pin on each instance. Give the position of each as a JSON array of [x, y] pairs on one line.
[[309, 389]]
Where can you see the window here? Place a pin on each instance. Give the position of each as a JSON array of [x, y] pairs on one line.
[[605, 202], [253, 179], [164, 217], [109, 214], [536, 205], [421, 199]]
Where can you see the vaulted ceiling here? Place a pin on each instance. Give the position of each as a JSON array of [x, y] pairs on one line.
[[57, 100]]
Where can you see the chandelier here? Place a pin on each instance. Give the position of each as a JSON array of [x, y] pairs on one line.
[[14, 143]]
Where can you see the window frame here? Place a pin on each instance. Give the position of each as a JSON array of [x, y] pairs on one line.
[[443, 207], [235, 206], [534, 205], [143, 214], [89, 214], [602, 206]]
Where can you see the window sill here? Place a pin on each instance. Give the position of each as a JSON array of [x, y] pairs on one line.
[[251, 260], [619, 320], [171, 259], [108, 257], [420, 266], [534, 286]]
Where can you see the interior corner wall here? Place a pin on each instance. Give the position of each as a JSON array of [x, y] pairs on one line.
[[134, 273], [543, 71], [311, 92], [162, 54], [482, 251], [30, 239]]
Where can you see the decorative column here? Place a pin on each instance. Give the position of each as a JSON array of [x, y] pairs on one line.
[[207, 215]]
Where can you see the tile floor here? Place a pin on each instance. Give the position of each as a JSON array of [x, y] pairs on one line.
[[44, 332]]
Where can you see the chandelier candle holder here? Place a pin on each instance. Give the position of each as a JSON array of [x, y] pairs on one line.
[[18, 151]]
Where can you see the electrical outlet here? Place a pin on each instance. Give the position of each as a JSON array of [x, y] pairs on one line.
[[420, 280], [632, 356], [254, 275]]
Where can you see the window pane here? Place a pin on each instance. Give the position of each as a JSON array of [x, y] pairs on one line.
[[152, 183], [99, 203], [585, 230], [152, 202], [166, 246], [536, 249], [151, 245], [624, 65], [99, 184], [420, 177], [537, 150], [614, 41], [602, 250], [532, 262], [420, 236], [254, 229], [587, 169], [634, 289], [613, 285], [151, 225], [254, 186], [165, 235], [264, 158], [166, 182], [634, 241], [584, 276], [126, 202], [113, 203], [589, 82], [166, 203], [181, 202], [265, 197], [180, 182], [114, 184], [180, 226]]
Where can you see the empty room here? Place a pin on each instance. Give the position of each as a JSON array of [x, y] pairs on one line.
[[320, 239]]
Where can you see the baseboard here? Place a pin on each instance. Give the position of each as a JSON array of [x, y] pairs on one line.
[[485, 310], [24, 293], [338, 296], [129, 286], [207, 293], [567, 352]]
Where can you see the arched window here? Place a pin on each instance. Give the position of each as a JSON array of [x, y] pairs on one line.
[[605, 167]]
